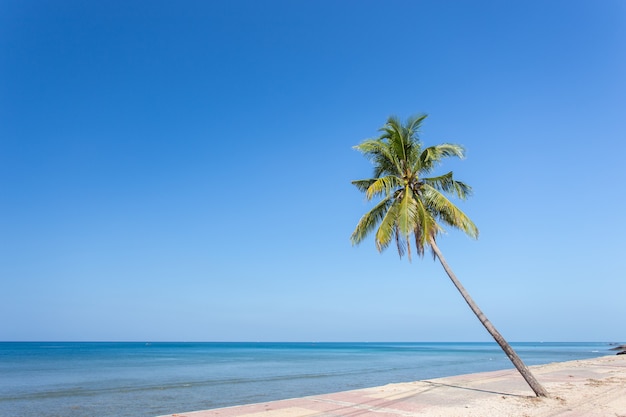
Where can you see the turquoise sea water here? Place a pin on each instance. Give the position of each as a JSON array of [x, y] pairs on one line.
[[150, 379]]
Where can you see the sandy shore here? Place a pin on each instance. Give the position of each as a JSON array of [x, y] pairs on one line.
[[590, 388]]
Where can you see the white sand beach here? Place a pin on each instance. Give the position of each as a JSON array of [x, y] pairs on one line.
[[590, 388]]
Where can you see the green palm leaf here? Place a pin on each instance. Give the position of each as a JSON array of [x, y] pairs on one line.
[[431, 157], [363, 185], [448, 212], [448, 184], [383, 185], [388, 227], [370, 220]]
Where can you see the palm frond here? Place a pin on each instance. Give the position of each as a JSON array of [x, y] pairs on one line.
[[380, 154], [407, 213], [394, 137], [393, 126], [387, 228], [425, 227], [370, 220], [414, 123], [448, 184], [363, 185], [383, 185], [399, 143], [462, 190], [432, 156], [402, 245], [449, 213]]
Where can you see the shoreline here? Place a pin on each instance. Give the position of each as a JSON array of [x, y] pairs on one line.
[[588, 387]]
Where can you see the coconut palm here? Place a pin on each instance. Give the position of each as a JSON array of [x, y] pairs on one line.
[[413, 206]]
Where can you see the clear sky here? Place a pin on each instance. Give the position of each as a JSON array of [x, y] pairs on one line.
[[181, 170]]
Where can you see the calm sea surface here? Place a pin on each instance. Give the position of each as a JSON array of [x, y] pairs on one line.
[[151, 379]]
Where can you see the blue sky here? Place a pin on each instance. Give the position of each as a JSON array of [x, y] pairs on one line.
[[181, 170]]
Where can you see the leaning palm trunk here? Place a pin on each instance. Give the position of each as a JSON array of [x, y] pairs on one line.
[[539, 390]]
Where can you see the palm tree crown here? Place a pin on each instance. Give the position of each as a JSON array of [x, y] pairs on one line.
[[412, 203]]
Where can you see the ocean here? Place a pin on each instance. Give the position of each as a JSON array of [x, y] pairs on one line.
[[109, 379]]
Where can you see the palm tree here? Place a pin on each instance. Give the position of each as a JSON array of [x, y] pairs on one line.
[[413, 206]]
